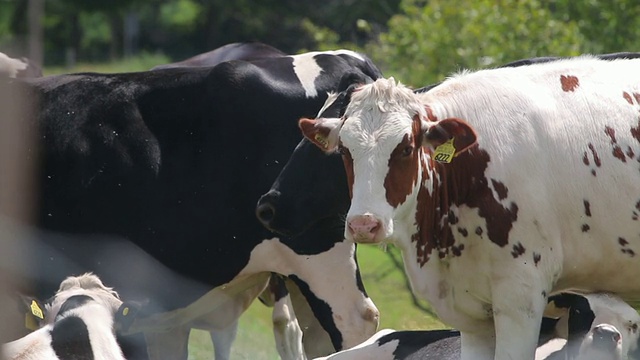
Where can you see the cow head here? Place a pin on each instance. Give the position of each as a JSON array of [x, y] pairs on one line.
[[299, 207], [597, 325], [386, 142], [615, 325], [86, 286]]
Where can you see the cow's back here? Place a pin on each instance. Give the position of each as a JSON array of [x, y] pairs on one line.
[[560, 142]]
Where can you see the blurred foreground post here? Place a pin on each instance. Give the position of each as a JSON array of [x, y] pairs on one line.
[[17, 153]]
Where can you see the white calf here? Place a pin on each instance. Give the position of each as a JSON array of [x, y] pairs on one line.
[[78, 324]]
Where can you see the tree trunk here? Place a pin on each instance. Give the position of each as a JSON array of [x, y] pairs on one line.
[[73, 49], [36, 33]]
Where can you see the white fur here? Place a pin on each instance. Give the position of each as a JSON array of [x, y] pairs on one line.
[[367, 350], [354, 314], [10, 66], [307, 69], [536, 135], [97, 316], [287, 331]]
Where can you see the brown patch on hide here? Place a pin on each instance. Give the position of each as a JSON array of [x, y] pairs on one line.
[[569, 83]]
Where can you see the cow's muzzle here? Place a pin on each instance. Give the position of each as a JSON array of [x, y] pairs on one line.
[[364, 228]]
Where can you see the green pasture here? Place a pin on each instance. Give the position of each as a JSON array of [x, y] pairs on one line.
[[383, 280]]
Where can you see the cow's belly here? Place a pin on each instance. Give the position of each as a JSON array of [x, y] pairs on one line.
[[462, 287], [607, 260], [457, 289], [601, 246], [586, 216]]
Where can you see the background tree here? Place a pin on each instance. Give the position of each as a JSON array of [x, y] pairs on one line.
[[425, 42], [608, 25]]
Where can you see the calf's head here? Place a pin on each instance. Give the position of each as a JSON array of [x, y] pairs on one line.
[[386, 142], [597, 326], [615, 325], [86, 287]]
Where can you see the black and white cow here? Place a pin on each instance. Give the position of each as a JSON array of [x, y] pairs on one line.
[[79, 324], [316, 340], [591, 326], [233, 51], [174, 161]]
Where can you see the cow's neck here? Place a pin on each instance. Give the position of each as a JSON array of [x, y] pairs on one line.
[[443, 188]]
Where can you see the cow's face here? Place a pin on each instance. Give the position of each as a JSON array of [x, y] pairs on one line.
[[312, 184], [613, 313], [381, 138]]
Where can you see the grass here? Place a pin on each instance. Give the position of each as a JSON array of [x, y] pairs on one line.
[[382, 279]]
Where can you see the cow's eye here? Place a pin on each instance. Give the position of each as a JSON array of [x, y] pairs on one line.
[[634, 327], [407, 151]]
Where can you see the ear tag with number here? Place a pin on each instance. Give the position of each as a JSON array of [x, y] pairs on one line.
[[444, 153], [36, 311], [322, 140]]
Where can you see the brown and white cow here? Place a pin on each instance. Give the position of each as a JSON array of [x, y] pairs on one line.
[[541, 195]]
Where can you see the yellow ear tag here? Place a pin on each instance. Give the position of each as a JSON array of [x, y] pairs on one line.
[[125, 311], [444, 153], [36, 311], [322, 140], [30, 322]]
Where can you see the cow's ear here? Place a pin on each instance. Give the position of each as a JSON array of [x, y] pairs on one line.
[[452, 136], [322, 131], [34, 312]]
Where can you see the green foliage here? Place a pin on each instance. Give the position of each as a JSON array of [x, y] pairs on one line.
[[324, 37], [425, 43], [181, 15], [6, 8], [609, 25], [96, 29]]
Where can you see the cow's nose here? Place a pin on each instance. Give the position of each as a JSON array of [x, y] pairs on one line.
[[364, 228], [265, 210], [605, 336]]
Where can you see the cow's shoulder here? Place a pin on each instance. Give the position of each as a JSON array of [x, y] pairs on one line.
[[244, 80]]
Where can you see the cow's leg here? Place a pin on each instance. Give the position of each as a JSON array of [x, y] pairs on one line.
[[316, 341], [168, 345], [336, 297], [222, 323], [517, 313], [222, 341], [477, 345], [286, 329]]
